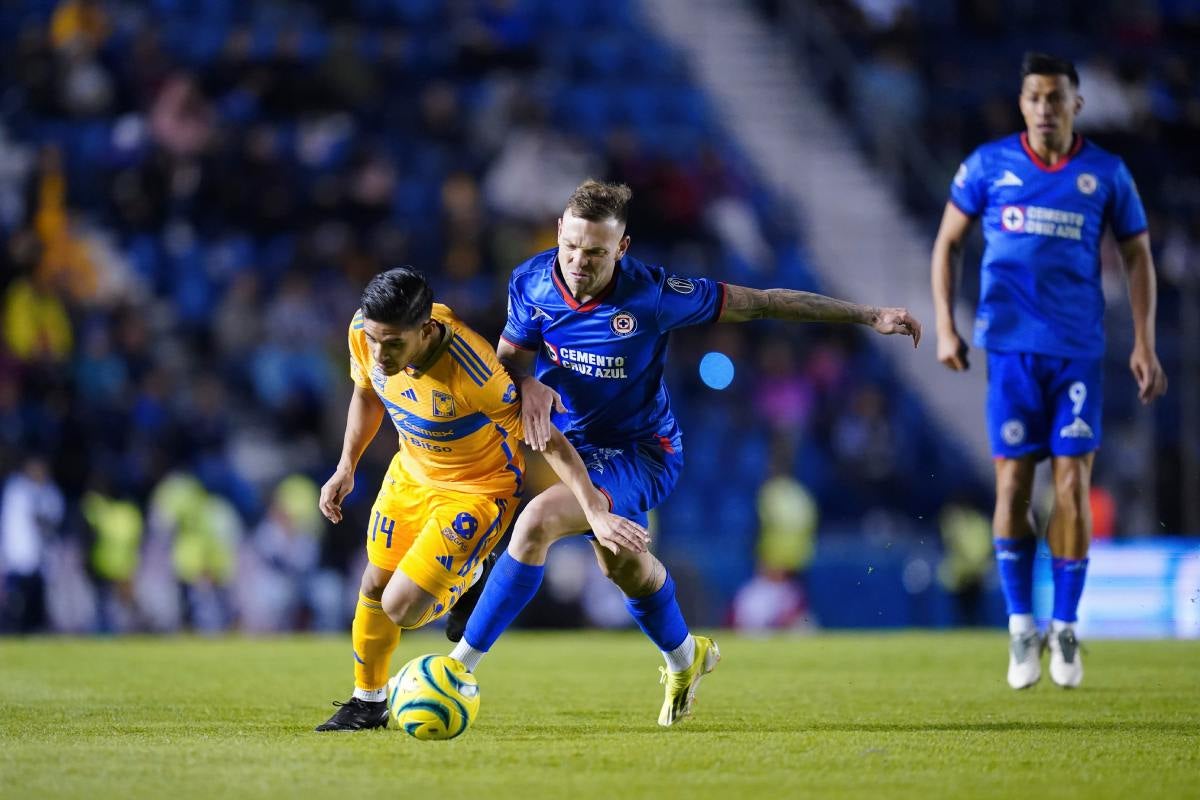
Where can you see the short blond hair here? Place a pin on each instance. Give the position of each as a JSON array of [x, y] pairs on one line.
[[597, 201]]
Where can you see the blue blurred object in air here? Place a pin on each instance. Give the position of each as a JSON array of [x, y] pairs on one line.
[[716, 370]]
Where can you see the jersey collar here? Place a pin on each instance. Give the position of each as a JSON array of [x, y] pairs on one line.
[[590, 305], [1061, 163]]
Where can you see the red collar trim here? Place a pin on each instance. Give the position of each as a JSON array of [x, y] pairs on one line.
[[1062, 162], [590, 305]]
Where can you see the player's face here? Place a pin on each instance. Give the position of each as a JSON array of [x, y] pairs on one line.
[[588, 253], [1049, 104], [393, 347]]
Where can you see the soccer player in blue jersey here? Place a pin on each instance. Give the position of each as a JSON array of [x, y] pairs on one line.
[[1045, 198], [587, 337]]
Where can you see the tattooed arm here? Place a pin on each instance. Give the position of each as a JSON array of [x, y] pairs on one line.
[[743, 303]]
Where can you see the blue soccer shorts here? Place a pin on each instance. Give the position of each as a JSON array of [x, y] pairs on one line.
[[636, 476], [1039, 405]]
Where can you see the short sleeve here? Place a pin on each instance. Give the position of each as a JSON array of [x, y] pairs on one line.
[[520, 329], [1126, 213], [689, 301], [486, 385], [359, 357], [968, 190]]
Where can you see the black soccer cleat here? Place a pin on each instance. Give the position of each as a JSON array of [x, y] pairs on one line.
[[460, 612], [356, 715]]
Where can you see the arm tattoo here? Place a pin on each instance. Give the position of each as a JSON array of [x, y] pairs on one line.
[[743, 303]]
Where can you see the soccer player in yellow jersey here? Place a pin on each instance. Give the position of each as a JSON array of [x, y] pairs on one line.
[[454, 484]]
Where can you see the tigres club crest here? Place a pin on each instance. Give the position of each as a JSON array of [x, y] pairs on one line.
[[623, 323], [443, 404]]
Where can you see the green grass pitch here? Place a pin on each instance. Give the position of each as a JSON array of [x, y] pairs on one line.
[[573, 715]]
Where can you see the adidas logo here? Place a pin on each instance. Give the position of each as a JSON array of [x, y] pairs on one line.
[[1076, 430], [1008, 179], [537, 312], [446, 561], [409, 394]]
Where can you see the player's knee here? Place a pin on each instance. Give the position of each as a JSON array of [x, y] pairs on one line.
[[372, 584], [626, 573], [406, 612], [1011, 495], [1070, 489], [534, 530]]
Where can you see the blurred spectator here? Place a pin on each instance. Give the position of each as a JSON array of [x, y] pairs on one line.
[[36, 325], [283, 559], [181, 120], [116, 527], [774, 598], [966, 558], [31, 511], [79, 24]]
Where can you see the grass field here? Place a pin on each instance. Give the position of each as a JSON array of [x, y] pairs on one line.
[[573, 715]]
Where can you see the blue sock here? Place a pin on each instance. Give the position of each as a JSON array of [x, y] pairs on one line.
[[509, 589], [1014, 560], [659, 617], [1069, 574]]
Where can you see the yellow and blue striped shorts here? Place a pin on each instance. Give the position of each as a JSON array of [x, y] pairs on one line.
[[435, 536]]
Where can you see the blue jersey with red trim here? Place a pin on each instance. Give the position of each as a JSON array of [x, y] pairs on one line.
[[606, 357], [1042, 225]]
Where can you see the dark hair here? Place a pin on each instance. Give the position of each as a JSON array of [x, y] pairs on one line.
[[1043, 64], [597, 202], [399, 297]]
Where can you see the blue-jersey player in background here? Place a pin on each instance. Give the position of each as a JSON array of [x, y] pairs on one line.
[[587, 336], [1045, 198]]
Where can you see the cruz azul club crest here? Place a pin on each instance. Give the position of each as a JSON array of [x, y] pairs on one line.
[[623, 323]]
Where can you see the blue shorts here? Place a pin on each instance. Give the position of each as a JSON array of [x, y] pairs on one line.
[[637, 476], [1040, 405]]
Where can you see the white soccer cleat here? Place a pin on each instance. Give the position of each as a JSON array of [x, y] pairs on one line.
[[1066, 662], [1024, 659]]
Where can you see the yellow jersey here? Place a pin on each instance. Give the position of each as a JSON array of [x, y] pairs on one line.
[[459, 420]]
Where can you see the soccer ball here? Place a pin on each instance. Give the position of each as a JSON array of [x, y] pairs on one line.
[[433, 697]]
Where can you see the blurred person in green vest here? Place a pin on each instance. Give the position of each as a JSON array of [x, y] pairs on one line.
[[774, 598], [116, 526], [206, 531], [966, 558]]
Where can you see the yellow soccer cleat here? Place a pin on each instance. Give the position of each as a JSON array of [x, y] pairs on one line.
[[681, 686]]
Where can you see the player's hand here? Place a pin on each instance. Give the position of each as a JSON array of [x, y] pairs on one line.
[[897, 320], [538, 402], [952, 351], [334, 492], [1151, 380], [615, 533]]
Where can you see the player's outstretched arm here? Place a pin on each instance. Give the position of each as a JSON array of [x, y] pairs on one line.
[[1143, 294], [362, 422], [612, 530], [947, 255], [538, 401], [743, 303]]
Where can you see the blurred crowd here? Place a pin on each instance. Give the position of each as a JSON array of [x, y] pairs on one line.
[[192, 194]]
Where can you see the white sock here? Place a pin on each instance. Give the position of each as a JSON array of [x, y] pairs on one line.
[[1019, 624], [1058, 626], [469, 656], [681, 657], [371, 695]]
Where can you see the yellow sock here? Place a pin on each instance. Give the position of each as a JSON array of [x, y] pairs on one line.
[[375, 638]]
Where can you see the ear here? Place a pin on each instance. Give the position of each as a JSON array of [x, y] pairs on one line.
[[622, 247], [558, 235], [1078, 103]]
